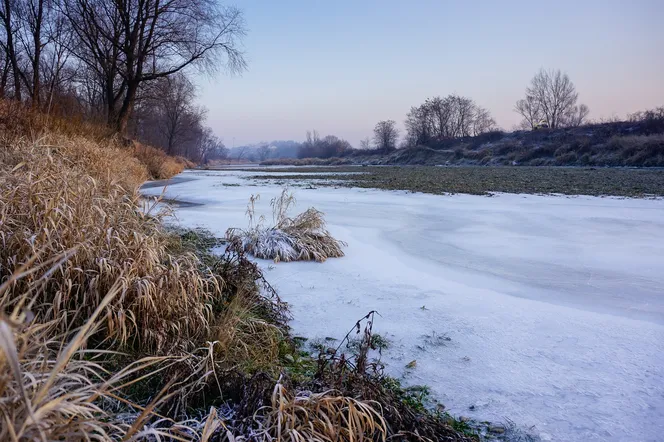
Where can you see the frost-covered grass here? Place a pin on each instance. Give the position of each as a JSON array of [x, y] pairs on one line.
[[303, 238]]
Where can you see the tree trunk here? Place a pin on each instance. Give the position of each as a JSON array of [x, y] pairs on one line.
[[111, 109], [35, 62], [169, 147], [126, 109], [11, 51], [17, 76], [111, 114], [35, 78], [3, 80]]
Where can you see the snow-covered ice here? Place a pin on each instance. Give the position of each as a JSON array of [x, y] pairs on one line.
[[554, 305]]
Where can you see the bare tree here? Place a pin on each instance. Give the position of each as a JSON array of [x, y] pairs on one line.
[[327, 147], [97, 43], [551, 97], [365, 143], [58, 75], [4, 74], [8, 9], [439, 113], [386, 135], [34, 16], [263, 152], [576, 116], [530, 111], [241, 153], [651, 121], [418, 126], [443, 118], [175, 97], [312, 137], [166, 116], [210, 147], [131, 42], [482, 122]]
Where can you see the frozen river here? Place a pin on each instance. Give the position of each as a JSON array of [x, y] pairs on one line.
[[554, 306]]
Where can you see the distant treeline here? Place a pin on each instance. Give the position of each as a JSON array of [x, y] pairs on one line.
[[550, 103]]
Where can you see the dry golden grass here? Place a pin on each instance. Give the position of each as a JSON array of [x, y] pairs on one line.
[[160, 165], [54, 388], [324, 417], [18, 122], [186, 163], [46, 392], [50, 206], [73, 227], [243, 338], [303, 238]]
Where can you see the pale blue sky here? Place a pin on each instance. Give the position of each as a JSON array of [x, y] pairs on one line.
[[341, 66]]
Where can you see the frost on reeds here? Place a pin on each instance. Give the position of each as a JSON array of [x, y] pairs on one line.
[[303, 238], [327, 416], [53, 388]]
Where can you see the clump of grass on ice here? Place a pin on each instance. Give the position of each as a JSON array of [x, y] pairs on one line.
[[303, 238]]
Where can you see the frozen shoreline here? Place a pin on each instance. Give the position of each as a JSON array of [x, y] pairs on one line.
[[554, 305]]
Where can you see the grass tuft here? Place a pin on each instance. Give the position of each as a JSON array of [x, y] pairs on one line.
[[328, 416], [303, 238]]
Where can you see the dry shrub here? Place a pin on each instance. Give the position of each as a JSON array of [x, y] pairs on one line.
[[18, 122], [476, 154], [186, 163], [303, 238], [360, 376], [51, 205], [160, 166]]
